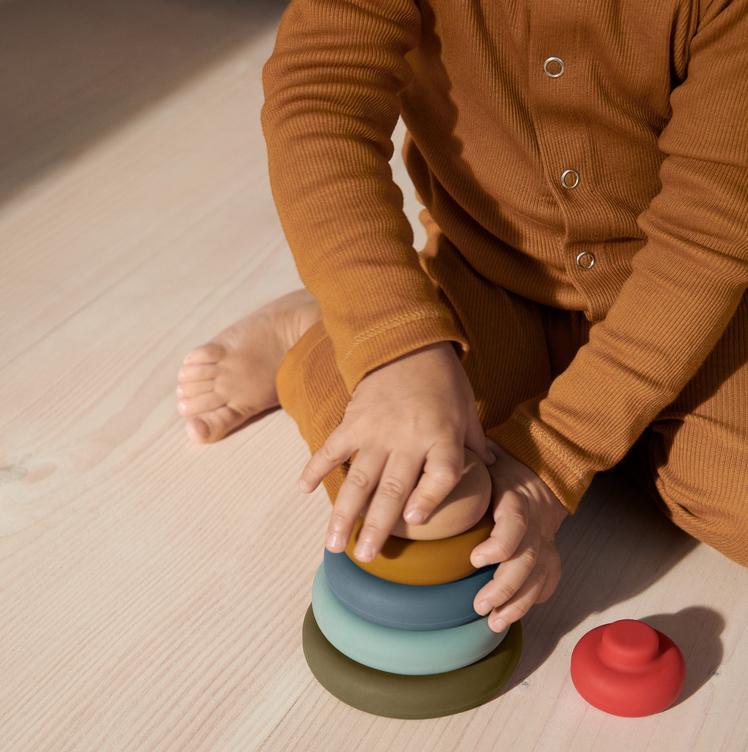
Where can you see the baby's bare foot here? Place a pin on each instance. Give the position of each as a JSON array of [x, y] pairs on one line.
[[232, 378]]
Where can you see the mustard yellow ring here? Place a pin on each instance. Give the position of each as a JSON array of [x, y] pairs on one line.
[[424, 562]]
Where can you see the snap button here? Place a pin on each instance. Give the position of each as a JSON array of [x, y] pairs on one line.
[[553, 66], [570, 178], [585, 259]]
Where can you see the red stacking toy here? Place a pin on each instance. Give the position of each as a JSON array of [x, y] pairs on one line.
[[628, 668]]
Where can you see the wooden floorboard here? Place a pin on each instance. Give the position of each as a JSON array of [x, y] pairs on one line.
[[152, 591]]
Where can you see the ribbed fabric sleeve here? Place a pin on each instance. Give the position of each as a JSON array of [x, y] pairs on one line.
[[651, 110], [686, 283], [331, 104]]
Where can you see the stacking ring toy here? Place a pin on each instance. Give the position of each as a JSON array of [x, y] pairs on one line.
[[424, 562], [628, 668], [395, 696], [401, 651], [391, 604], [462, 508]]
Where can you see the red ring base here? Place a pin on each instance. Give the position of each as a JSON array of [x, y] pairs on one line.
[[628, 668]]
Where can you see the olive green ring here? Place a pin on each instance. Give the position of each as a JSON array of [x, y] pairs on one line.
[[409, 696]]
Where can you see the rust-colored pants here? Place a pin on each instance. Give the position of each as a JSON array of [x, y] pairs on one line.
[[692, 460]]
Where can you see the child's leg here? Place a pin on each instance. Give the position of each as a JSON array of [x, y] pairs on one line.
[[695, 454], [507, 362]]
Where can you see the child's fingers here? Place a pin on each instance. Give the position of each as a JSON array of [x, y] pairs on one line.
[[334, 452], [476, 440], [510, 528], [353, 496], [510, 575], [521, 602], [442, 471], [399, 475], [553, 562]]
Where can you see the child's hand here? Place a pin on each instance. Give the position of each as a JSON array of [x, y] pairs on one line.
[[527, 516], [419, 408]]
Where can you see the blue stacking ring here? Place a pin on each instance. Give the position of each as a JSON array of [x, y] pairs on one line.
[[391, 604], [399, 651]]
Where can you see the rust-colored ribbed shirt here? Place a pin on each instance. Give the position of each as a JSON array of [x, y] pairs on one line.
[[630, 148]]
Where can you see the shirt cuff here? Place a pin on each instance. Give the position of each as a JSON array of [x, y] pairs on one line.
[[393, 338]]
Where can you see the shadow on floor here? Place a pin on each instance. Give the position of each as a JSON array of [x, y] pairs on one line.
[[612, 549], [70, 72]]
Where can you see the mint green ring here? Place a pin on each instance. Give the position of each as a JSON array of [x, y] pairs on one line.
[[399, 651]]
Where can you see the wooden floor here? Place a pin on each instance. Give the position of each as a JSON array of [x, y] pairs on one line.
[[152, 591]]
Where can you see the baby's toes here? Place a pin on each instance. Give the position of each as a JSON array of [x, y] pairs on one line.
[[210, 353], [194, 388], [201, 372], [189, 406], [214, 425]]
